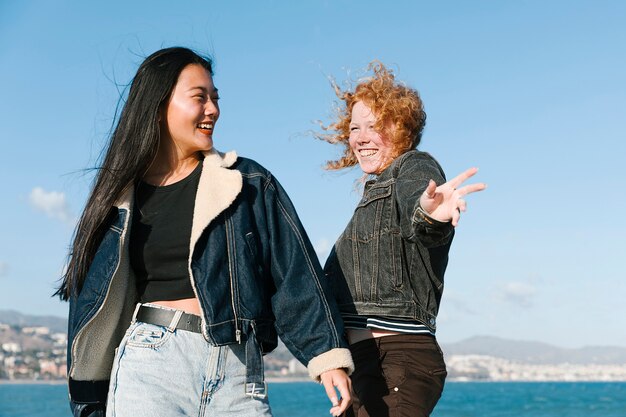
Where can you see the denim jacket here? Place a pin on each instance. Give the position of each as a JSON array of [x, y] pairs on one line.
[[391, 258], [252, 267]]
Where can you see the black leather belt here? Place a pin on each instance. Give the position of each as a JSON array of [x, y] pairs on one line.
[[164, 317]]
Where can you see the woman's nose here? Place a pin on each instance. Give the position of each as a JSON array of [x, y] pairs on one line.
[[210, 108], [362, 137]]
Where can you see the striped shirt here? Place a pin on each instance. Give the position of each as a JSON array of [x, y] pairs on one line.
[[394, 324]]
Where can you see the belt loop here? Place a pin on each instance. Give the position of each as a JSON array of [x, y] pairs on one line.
[[175, 320], [137, 307]]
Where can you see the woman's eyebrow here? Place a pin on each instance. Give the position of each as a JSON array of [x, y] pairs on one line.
[[204, 89]]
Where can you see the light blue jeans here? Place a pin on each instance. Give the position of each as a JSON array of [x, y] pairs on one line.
[[157, 373]]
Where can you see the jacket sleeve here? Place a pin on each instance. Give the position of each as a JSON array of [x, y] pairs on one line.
[[307, 318], [88, 398], [87, 410], [416, 170]]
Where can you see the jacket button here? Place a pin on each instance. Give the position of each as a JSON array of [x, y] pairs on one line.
[[432, 322]]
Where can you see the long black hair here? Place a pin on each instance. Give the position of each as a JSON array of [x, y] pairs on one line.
[[131, 149]]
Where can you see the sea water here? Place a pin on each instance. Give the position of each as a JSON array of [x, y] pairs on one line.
[[460, 399]]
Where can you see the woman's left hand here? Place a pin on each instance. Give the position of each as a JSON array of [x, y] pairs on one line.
[[337, 378], [445, 202]]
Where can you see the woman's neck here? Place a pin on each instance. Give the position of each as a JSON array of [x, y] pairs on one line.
[[166, 170]]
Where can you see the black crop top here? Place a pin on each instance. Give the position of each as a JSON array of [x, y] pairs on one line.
[[159, 238]]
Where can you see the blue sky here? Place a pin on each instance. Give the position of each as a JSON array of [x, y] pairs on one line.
[[532, 92]]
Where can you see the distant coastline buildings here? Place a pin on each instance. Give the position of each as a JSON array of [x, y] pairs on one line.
[[32, 353], [489, 368], [35, 353]]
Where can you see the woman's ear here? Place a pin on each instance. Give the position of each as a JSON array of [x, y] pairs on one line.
[[162, 114]]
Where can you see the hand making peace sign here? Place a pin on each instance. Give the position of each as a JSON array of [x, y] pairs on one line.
[[445, 202]]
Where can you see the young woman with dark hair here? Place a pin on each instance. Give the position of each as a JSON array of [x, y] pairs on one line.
[[187, 263], [387, 266]]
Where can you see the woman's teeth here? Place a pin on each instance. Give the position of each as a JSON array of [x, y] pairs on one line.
[[205, 125], [368, 152]]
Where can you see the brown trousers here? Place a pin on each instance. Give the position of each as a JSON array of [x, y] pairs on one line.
[[397, 376]]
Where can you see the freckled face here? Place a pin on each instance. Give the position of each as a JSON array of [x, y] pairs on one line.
[[192, 110], [371, 149]]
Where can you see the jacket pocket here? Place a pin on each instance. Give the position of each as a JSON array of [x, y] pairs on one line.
[[255, 260], [372, 216], [375, 193]]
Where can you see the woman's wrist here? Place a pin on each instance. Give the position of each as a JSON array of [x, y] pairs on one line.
[[427, 218]]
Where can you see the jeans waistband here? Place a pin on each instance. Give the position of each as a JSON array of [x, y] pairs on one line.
[[178, 319], [172, 319]]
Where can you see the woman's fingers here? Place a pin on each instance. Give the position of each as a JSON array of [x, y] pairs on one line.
[[471, 188], [339, 379], [431, 189], [445, 202], [462, 177], [456, 215]]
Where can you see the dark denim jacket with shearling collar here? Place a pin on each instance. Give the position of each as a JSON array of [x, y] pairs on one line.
[[391, 258], [252, 268]]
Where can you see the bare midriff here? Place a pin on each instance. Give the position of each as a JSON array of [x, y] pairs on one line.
[[188, 305], [357, 335]]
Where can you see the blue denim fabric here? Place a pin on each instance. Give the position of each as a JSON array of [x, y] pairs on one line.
[[253, 269], [158, 372], [390, 261]]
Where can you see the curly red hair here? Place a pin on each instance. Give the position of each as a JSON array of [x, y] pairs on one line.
[[399, 111]]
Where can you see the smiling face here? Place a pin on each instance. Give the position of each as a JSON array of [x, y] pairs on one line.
[[371, 149], [191, 112]]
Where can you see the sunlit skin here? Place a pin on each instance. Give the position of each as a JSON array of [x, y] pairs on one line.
[[369, 146], [187, 124], [374, 153]]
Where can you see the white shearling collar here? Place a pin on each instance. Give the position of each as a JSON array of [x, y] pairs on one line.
[[217, 189]]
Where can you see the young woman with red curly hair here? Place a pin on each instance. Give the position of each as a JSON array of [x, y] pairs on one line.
[[387, 267]]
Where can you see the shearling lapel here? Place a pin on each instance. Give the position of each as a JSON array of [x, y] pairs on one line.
[[217, 189], [126, 199]]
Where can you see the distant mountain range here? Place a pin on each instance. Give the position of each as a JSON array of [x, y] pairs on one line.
[[514, 350], [14, 318], [536, 352]]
